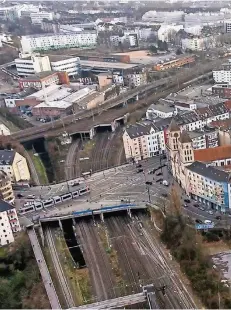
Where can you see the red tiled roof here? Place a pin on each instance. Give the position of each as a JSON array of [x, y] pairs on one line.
[[212, 154]]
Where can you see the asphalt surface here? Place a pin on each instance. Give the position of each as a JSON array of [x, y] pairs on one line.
[[123, 183]]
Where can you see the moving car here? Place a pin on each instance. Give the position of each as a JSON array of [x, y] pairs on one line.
[[165, 183], [208, 222], [210, 212], [201, 208], [196, 205], [218, 217], [159, 173], [31, 196], [20, 195], [148, 182], [139, 170], [138, 165]]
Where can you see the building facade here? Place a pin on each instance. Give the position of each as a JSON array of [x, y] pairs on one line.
[[6, 191], [14, 165], [69, 65], [32, 65], [9, 223], [57, 41]]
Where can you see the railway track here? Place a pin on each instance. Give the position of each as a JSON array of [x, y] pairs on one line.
[[97, 261], [71, 160], [58, 269]]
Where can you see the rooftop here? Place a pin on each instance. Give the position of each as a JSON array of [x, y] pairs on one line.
[[173, 126], [60, 104], [56, 58], [162, 108], [39, 76], [5, 206], [107, 65], [7, 157], [57, 34], [137, 130], [184, 137], [212, 154], [209, 172]]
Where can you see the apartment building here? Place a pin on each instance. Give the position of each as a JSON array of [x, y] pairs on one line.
[[160, 110], [57, 41], [136, 79], [6, 191], [224, 74], [197, 171], [14, 165], [9, 223], [206, 138], [198, 43], [26, 66], [136, 142]]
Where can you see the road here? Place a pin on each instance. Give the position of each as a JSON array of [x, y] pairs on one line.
[[112, 185], [58, 268], [47, 281]]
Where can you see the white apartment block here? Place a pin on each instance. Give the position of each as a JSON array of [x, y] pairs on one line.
[[9, 223], [136, 79], [197, 44], [227, 26], [32, 65], [221, 76], [55, 41], [70, 65], [37, 17]]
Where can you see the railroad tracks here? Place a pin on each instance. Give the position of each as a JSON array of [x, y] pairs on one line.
[[58, 269], [72, 160], [97, 261]]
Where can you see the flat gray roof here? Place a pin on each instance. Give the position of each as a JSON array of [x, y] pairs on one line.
[[107, 65]]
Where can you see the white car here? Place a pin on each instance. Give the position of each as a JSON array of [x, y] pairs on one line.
[[210, 212], [208, 222]]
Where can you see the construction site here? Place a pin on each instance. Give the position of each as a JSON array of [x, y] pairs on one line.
[[97, 260]]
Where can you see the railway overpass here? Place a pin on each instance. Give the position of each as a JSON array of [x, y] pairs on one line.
[[86, 121]]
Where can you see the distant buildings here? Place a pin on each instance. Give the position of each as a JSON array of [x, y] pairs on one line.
[[9, 223], [198, 43], [45, 42], [175, 63], [14, 165]]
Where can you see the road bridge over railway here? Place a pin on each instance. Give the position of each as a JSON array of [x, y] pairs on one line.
[[94, 210]]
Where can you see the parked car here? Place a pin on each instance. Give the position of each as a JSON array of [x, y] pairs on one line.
[[196, 205], [198, 221], [148, 182], [164, 195], [159, 180], [139, 170], [165, 183], [187, 200], [210, 212], [138, 165], [159, 173], [218, 217], [201, 208], [20, 195], [185, 205]]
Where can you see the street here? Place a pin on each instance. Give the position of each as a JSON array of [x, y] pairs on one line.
[[122, 184]]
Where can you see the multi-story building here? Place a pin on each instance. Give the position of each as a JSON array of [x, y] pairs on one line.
[[222, 90], [43, 79], [227, 26], [70, 65], [9, 223], [160, 110], [206, 138], [136, 79], [31, 65], [14, 165], [197, 171], [37, 17], [6, 191], [224, 74], [163, 17], [56, 41], [136, 142], [175, 63]]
